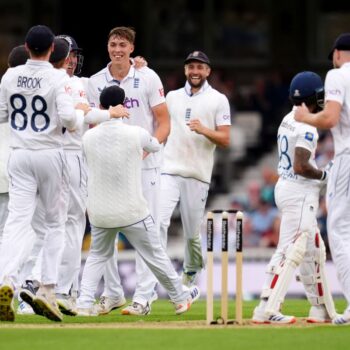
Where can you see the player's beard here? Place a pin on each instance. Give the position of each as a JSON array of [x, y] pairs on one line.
[[197, 84]]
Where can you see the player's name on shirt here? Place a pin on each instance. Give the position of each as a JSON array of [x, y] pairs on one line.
[[288, 126], [29, 82], [287, 175]]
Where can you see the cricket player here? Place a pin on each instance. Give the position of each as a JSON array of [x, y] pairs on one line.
[[75, 222], [336, 116], [200, 121], [297, 198], [34, 101], [114, 153], [145, 102]]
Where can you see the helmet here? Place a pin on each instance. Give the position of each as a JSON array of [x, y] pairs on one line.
[[74, 47], [307, 87]]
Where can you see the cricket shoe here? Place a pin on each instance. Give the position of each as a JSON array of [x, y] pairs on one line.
[[67, 304], [137, 309], [24, 309], [27, 294], [87, 311], [185, 305], [260, 317], [342, 319], [47, 306], [318, 314], [107, 304], [189, 278], [7, 311]]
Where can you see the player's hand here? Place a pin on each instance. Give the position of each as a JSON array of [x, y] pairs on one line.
[[140, 62], [84, 107], [145, 154], [118, 111], [196, 126], [301, 113]]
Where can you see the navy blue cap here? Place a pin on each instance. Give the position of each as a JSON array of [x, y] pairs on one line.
[[39, 38], [197, 56], [61, 50], [112, 96], [341, 43], [304, 85], [73, 44], [17, 56]]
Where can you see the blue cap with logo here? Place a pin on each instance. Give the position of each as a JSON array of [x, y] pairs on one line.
[[39, 38], [197, 56]]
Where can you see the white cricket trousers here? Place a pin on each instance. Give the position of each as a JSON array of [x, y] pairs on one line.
[[146, 280], [145, 240], [75, 225], [191, 194], [298, 205], [338, 220], [4, 201], [32, 172]]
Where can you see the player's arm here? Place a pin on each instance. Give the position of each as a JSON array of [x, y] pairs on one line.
[[3, 105], [148, 142], [220, 136], [162, 119], [325, 119], [302, 165]]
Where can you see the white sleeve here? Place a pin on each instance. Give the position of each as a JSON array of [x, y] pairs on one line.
[[307, 137], [148, 143], [334, 87], [4, 116], [65, 106], [155, 90], [97, 116], [223, 115], [92, 95]]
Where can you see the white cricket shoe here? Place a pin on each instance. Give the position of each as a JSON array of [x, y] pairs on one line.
[[318, 314], [107, 304], [24, 309], [7, 310], [46, 305], [137, 309], [67, 304], [185, 305], [342, 319], [260, 317], [87, 311]]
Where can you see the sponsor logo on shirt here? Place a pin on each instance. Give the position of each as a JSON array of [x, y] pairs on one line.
[[226, 117], [188, 115], [334, 92], [161, 92], [131, 102], [309, 136]]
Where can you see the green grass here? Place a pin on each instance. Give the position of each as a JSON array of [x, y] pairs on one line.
[[214, 338]]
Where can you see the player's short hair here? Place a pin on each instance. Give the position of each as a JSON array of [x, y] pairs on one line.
[[112, 96], [61, 50], [307, 87], [127, 33], [17, 56]]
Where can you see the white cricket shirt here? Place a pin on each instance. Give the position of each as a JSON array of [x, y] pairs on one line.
[[292, 134], [187, 153], [114, 153], [337, 88], [35, 102], [143, 90]]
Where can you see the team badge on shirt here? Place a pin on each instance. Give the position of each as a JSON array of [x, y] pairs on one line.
[[309, 136], [136, 83]]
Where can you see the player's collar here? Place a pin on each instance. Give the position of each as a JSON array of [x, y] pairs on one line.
[[110, 78], [203, 88], [38, 63]]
